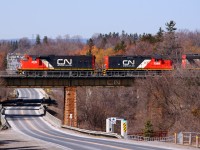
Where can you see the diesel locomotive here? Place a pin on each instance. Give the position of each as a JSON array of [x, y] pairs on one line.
[[130, 65], [67, 65]]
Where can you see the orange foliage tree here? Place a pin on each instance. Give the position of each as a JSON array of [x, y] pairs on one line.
[[100, 53]]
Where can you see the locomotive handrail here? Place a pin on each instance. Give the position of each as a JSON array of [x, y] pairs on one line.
[[76, 74], [9, 73], [90, 74]]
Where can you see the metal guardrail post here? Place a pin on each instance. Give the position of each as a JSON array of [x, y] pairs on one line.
[[175, 138], [190, 138], [182, 140], [197, 141]]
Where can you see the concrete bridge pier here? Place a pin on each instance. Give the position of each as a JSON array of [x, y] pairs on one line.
[[70, 107]]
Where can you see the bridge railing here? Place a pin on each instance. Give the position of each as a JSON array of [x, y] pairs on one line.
[[182, 138], [188, 138], [9, 73], [56, 74], [142, 138], [100, 74]]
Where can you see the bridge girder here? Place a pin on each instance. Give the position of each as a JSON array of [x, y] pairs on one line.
[[65, 82]]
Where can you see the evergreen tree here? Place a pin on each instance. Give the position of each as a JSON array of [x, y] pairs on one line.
[[149, 38], [160, 35], [45, 40], [13, 45], [148, 130], [123, 33], [120, 46], [171, 26], [90, 43], [16, 44], [171, 45], [38, 40], [103, 42]]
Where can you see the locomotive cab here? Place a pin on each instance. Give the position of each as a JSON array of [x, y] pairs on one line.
[[159, 64]]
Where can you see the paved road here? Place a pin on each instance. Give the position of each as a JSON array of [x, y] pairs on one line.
[[27, 120]]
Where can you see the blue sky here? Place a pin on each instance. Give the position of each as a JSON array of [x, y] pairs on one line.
[[53, 18]]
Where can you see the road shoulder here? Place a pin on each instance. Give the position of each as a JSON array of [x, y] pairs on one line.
[[11, 139]]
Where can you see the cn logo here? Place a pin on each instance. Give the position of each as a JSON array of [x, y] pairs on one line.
[[64, 62], [128, 63]]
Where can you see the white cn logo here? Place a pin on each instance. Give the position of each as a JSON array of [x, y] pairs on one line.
[[64, 62], [128, 63]]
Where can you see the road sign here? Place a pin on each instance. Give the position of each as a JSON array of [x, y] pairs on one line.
[[124, 127], [113, 120]]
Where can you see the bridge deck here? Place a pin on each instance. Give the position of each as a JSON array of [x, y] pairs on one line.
[[60, 79]]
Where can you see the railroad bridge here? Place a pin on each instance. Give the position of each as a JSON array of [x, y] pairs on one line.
[[69, 83]]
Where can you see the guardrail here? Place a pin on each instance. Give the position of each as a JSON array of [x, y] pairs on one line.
[[90, 132], [142, 138], [10, 73], [57, 122], [83, 74], [188, 138], [50, 118], [182, 138], [90, 74], [161, 139]]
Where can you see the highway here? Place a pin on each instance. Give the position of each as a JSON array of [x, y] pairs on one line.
[[27, 120]]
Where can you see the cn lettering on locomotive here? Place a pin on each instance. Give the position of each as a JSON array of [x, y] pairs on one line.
[[64, 62], [128, 63]]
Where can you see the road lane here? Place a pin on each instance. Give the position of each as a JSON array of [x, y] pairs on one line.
[[28, 127]]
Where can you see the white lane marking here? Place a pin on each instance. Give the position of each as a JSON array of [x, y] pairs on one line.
[[23, 93], [53, 137], [30, 95], [11, 122], [34, 93], [62, 137], [78, 141]]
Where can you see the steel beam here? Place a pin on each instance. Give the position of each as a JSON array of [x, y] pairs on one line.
[[69, 82]]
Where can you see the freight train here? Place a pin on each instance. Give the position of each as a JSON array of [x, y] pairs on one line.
[[82, 65]]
